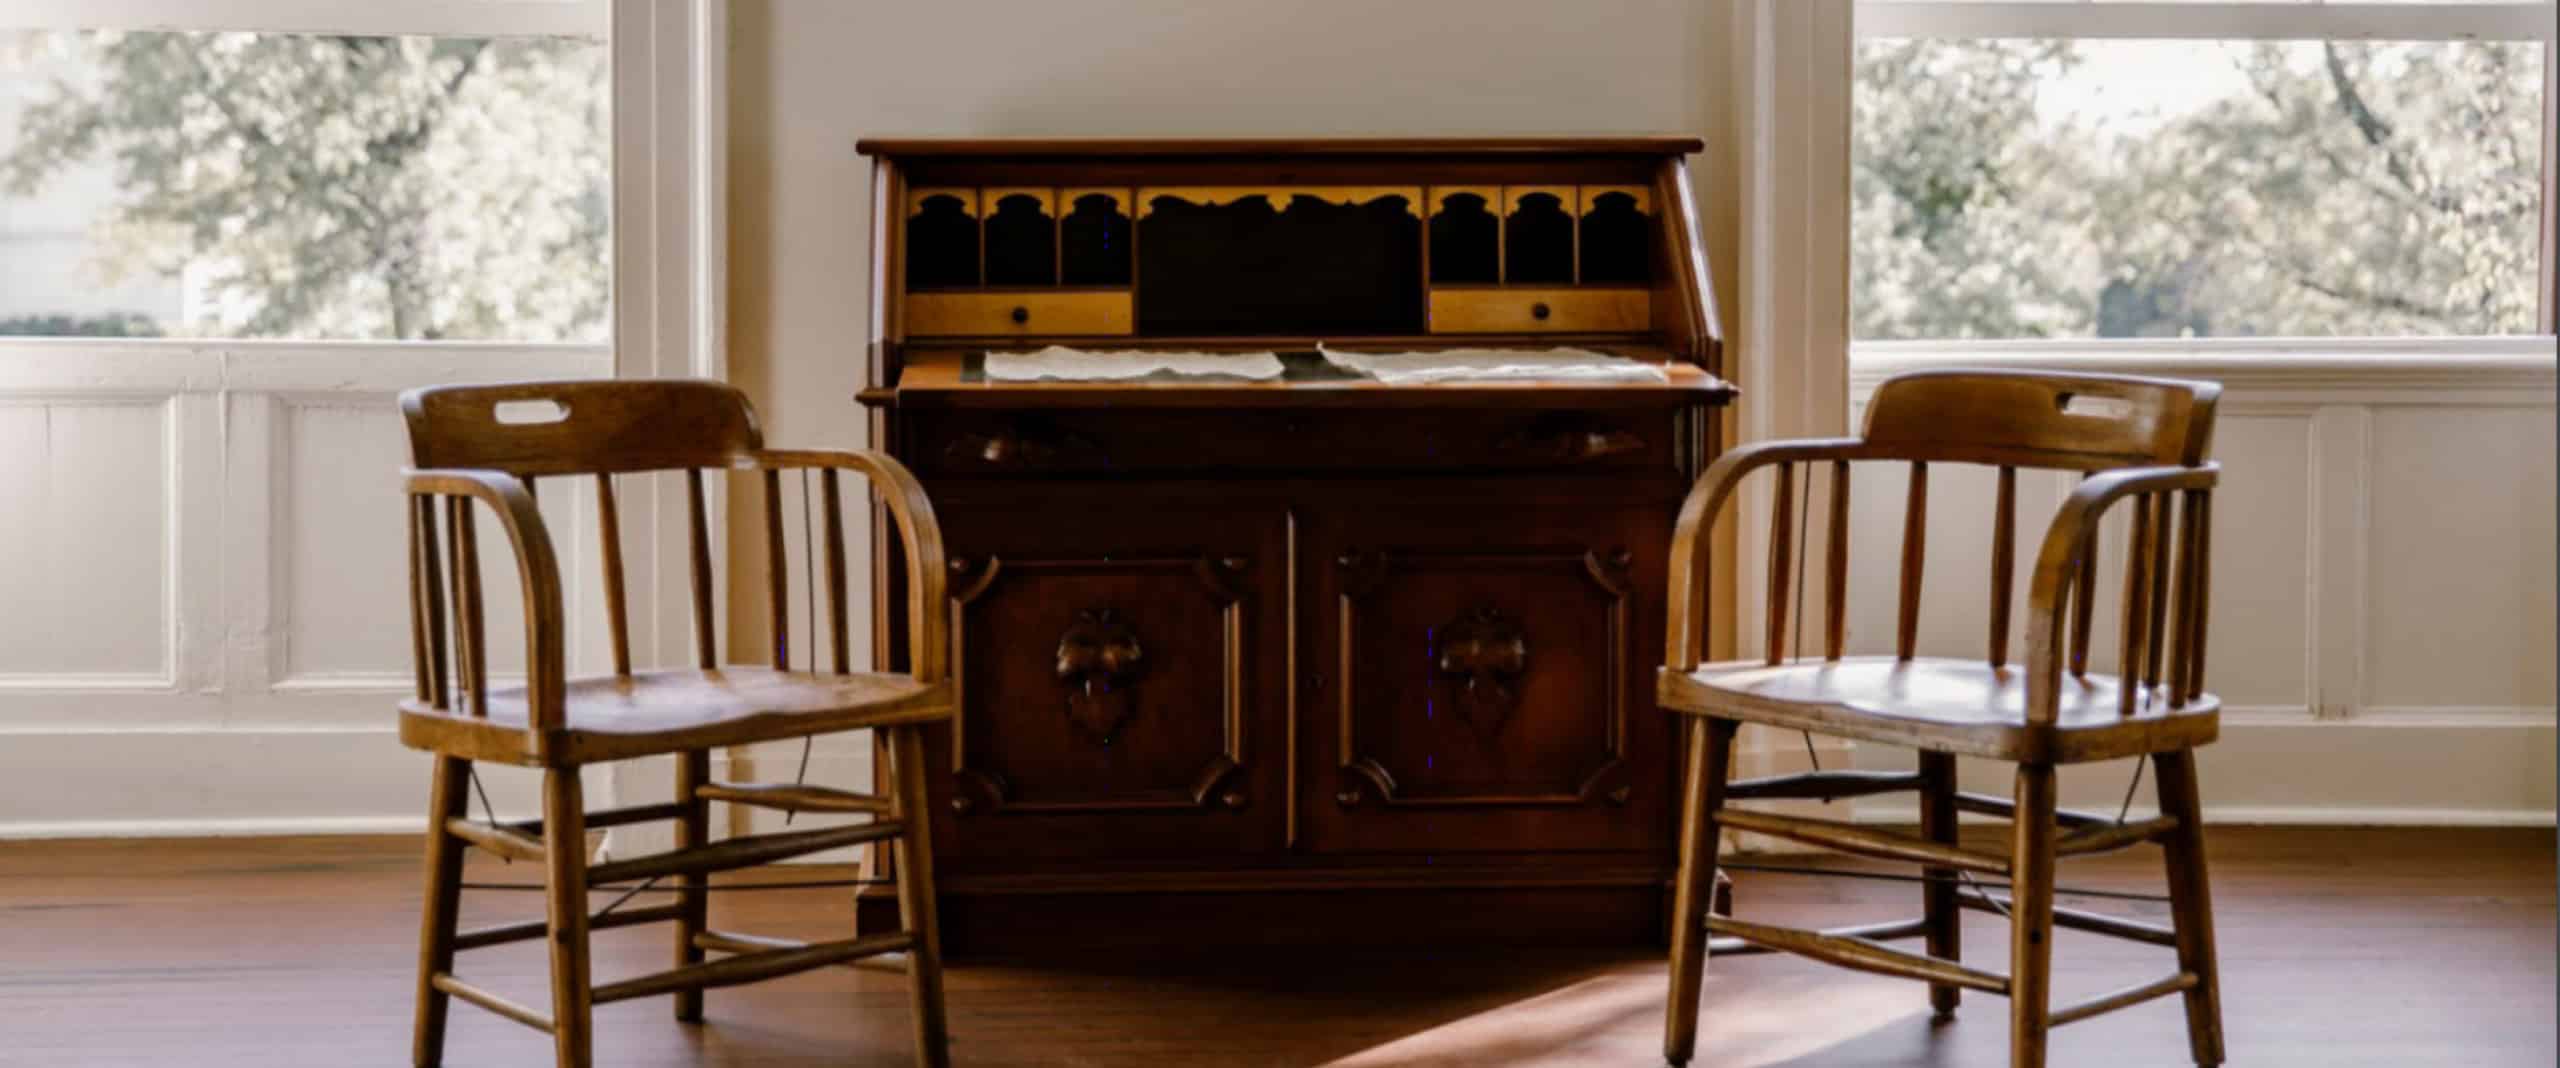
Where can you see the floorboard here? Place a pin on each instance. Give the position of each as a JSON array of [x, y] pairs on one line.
[[2341, 948]]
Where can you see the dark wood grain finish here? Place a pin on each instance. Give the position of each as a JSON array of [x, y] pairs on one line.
[[1348, 625]]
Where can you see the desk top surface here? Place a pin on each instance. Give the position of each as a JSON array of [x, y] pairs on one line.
[[952, 377]]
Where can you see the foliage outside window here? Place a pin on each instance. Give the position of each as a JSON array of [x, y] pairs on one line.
[[2115, 188], [286, 185]]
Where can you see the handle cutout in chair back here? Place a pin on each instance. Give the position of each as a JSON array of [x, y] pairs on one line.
[[2043, 418], [527, 413], [550, 428], [2088, 407]]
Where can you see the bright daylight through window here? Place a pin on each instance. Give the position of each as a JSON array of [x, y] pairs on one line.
[[2036, 185], [292, 185]]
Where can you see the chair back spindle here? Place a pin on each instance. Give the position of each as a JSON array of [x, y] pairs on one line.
[[706, 649], [777, 572], [1781, 546], [839, 645], [2157, 616], [1835, 571], [2200, 577], [471, 659], [2004, 560], [1915, 535], [2084, 601], [2137, 605], [617, 617], [426, 603]]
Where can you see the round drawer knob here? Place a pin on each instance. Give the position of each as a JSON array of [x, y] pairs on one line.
[[1539, 311], [1023, 315]]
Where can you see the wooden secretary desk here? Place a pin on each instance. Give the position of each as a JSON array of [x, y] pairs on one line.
[[1314, 660]]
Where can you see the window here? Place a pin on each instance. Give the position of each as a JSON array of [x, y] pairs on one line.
[[228, 180], [2077, 169]]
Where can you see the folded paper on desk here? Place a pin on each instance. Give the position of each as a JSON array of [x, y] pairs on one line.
[[1067, 364], [1494, 365]]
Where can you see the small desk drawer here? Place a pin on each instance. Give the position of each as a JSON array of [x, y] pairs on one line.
[[1017, 314], [1072, 442], [1540, 311]]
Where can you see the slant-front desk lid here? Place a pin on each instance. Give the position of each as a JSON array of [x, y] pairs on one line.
[[1288, 247]]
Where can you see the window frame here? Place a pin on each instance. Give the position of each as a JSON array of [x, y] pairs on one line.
[[474, 18], [2239, 20]]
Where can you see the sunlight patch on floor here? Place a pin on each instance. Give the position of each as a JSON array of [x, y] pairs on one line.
[[1617, 1019]]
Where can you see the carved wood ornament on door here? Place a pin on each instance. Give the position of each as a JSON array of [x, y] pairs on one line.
[[1098, 661], [1484, 652]]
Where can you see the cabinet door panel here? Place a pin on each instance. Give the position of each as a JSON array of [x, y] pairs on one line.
[[1111, 663], [1488, 661]]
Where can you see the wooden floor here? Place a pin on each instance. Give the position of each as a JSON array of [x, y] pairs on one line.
[[2340, 948]]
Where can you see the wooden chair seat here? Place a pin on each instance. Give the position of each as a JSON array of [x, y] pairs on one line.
[[1942, 705], [652, 712]]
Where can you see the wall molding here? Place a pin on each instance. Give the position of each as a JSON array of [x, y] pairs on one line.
[[2279, 816]]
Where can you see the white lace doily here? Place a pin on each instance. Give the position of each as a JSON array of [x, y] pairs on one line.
[[1493, 365], [1058, 362]]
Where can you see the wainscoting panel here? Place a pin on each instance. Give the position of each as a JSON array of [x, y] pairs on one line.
[[86, 585], [2459, 576]]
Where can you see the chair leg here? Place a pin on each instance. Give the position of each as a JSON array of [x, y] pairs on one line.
[[2031, 917], [1710, 751], [2191, 903], [445, 800], [1938, 896], [692, 829], [915, 895], [564, 825]]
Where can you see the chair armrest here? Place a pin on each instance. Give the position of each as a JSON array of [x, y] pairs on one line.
[[1691, 538], [2071, 535], [536, 567], [928, 607]]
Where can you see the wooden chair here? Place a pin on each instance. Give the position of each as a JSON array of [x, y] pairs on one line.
[[2137, 439], [467, 455]]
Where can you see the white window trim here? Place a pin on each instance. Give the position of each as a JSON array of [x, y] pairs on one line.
[[2231, 21], [486, 18], [2522, 363]]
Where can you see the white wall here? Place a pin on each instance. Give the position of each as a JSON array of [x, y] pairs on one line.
[[808, 77]]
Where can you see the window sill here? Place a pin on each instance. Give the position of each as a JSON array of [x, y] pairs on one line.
[[2527, 363]]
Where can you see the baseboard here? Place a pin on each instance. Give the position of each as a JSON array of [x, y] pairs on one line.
[[1905, 812], [254, 827]]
